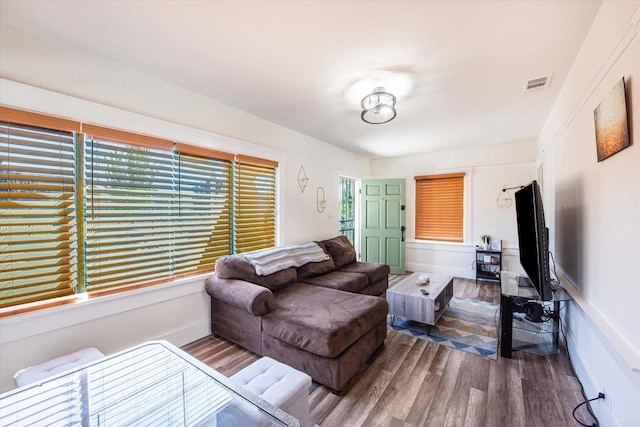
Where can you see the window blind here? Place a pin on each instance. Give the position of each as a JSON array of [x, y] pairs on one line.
[[254, 204], [153, 213], [203, 217], [112, 208], [131, 196], [440, 207], [38, 242]]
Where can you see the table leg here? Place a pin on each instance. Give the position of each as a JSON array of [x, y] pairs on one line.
[[506, 325], [556, 322]]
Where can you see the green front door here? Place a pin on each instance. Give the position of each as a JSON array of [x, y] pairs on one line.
[[383, 223]]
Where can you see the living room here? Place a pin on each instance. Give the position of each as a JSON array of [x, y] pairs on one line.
[[592, 208]]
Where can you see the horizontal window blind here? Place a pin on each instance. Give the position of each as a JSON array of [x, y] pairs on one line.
[[112, 208], [38, 243], [254, 205], [153, 213], [440, 207], [203, 220], [131, 196]]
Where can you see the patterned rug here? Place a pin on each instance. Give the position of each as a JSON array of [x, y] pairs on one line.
[[467, 324]]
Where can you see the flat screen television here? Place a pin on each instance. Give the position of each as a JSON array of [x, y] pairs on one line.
[[533, 239]]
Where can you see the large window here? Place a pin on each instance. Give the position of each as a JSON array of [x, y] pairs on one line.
[[440, 207], [105, 209]]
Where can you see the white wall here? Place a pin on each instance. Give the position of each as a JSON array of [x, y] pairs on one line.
[[593, 212], [487, 169], [38, 75]]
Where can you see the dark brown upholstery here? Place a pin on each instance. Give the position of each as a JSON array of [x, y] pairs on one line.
[[328, 326], [373, 271], [255, 299], [342, 281], [322, 321], [334, 373], [313, 269], [341, 250], [239, 267]]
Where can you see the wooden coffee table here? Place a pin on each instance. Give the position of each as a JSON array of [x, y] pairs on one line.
[[406, 300]]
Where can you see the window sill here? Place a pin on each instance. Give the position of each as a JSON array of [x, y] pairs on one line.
[[70, 313], [441, 246]]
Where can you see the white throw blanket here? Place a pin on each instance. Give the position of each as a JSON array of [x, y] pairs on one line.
[[268, 261]]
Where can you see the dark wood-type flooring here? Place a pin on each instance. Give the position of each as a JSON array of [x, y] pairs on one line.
[[413, 382]]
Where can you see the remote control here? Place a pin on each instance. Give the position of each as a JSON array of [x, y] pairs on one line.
[[424, 292]]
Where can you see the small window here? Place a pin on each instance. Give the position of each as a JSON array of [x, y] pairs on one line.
[[347, 208], [440, 207]]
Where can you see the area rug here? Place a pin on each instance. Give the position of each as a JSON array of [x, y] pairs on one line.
[[467, 324]]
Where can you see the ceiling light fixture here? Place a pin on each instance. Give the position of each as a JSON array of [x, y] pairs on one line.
[[378, 107]]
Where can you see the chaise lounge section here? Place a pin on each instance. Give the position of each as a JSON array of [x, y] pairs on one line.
[[322, 318]]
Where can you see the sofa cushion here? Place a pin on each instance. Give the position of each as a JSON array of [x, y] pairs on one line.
[[341, 250], [340, 280], [322, 321], [239, 267], [312, 269], [373, 271]]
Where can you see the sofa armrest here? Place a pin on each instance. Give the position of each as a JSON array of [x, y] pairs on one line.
[[253, 298]]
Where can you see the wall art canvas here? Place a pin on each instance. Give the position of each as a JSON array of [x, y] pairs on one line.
[[612, 130]]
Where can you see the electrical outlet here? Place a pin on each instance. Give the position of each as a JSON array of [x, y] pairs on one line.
[[607, 400]]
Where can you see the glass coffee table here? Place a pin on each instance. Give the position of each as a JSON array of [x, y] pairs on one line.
[[152, 384]]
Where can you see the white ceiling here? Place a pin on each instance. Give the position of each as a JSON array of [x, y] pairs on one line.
[[457, 67]]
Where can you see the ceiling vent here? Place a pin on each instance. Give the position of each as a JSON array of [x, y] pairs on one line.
[[537, 83]]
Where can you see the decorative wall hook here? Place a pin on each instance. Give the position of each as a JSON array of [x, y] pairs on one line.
[[321, 203], [504, 199]]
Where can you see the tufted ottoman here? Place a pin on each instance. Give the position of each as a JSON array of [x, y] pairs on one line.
[[38, 372], [278, 384]]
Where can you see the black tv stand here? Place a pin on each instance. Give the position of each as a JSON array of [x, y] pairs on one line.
[[524, 282], [517, 299]]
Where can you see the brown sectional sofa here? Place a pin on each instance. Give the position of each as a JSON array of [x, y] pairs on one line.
[[324, 318]]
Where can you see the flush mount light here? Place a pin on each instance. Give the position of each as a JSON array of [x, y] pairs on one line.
[[378, 107]]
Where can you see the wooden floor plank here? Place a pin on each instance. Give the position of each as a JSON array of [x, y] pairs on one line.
[[397, 389], [415, 383], [476, 410]]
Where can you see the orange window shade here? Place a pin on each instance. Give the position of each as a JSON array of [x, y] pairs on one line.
[[27, 118], [440, 207], [124, 137], [254, 206], [208, 153], [257, 161], [38, 244]]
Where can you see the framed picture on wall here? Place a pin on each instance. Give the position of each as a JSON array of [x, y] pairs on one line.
[[612, 131], [495, 245]]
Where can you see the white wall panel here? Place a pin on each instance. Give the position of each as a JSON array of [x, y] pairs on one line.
[[593, 211]]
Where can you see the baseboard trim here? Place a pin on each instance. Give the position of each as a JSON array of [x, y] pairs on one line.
[[188, 333], [439, 269]]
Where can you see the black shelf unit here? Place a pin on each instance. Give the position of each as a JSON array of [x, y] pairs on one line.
[[488, 265]]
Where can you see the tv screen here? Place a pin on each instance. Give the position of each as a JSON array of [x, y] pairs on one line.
[[533, 239]]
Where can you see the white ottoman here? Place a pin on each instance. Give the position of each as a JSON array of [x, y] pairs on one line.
[[279, 384], [38, 372]]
